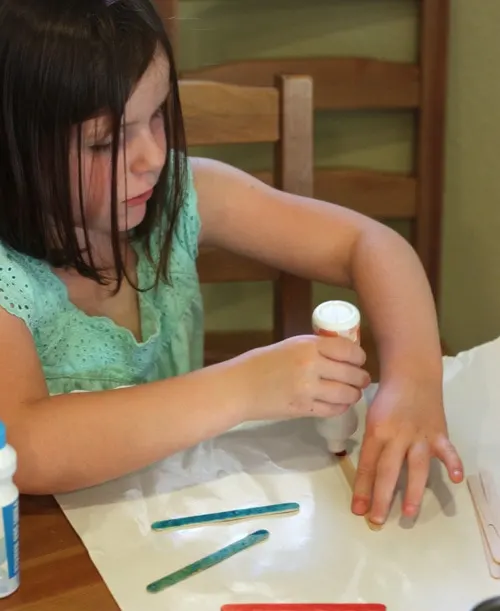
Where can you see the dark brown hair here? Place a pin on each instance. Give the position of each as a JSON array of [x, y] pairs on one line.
[[61, 63]]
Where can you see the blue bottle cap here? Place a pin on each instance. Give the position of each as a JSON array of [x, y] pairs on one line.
[[3, 436]]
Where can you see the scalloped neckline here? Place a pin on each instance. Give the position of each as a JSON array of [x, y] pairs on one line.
[[105, 321]]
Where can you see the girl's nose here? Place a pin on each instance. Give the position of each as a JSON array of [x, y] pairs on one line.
[[149, 156]]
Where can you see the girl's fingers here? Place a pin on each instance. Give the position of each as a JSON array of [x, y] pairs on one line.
[[418, 459], [341, 349], [389, 464], [336, 393], [321, 409], [447, 454], [365, 474], [343, 372]]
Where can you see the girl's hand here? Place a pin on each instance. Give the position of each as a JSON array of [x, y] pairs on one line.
[[405, 421], [301, 377]]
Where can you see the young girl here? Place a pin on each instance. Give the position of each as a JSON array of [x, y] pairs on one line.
[[101, 217]]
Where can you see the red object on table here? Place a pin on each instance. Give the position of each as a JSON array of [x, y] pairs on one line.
[[306, 607]]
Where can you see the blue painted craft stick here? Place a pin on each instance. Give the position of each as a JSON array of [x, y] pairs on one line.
[[208, 561], [226, 516]]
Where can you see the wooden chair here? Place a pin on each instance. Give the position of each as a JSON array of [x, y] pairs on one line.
[[364, 83], [218, 113]]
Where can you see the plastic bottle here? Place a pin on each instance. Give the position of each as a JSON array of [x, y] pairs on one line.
[[338, 318], [9, 518]]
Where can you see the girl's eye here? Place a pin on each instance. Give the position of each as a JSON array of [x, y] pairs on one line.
[[106, 145], [101, 148]]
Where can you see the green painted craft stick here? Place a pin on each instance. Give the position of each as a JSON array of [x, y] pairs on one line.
[[226, 516], [208, 561]]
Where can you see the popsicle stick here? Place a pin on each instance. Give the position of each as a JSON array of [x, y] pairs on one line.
[[487, 505], [208, 561], [493, 567], [349, 471], [226, 516]]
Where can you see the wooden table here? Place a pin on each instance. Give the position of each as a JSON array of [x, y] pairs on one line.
[[57, 574]]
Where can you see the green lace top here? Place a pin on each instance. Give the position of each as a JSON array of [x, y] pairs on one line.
[[81, 352]]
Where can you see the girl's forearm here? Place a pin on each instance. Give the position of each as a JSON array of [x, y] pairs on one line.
[[396, 297], [73, 441]]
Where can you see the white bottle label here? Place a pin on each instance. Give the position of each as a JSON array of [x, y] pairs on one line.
[[9, 549]]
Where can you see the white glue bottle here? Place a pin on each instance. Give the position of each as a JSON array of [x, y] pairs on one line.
[[338, 318], [9, 518]]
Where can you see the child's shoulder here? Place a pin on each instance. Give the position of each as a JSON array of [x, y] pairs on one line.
[[189, 222], [19, 284], [15, 268], [188, 225]]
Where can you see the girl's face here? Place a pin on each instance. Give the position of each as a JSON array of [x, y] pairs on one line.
[[141, 157]]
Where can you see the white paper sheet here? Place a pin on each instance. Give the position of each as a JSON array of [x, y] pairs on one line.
[[322, 554]]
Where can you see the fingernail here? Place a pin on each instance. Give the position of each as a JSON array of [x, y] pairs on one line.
[[359, 507], [457, 473], [377, 519]]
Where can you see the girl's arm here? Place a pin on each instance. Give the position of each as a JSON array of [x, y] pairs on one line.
[[332, 244], [73, 441], [78, 440]]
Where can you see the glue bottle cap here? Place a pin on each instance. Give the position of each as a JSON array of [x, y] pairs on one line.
[[336, 316]]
